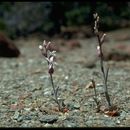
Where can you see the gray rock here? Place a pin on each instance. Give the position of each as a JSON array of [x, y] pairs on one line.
[[20, 119], [76, 105], [48, 118], [16, 115], [68, 123]]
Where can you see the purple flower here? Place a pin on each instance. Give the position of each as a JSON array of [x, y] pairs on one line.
[[50, 56]]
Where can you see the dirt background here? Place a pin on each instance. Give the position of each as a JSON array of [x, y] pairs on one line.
[[25, 96]]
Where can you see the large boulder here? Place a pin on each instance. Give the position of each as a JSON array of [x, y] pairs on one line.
[[7, 47]]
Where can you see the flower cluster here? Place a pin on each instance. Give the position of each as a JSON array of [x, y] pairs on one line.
[[49, 55]]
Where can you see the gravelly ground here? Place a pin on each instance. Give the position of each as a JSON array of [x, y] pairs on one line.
[[25, 96]]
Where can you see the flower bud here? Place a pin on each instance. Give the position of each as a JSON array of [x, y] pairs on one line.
[[51, 70], [98, 51]]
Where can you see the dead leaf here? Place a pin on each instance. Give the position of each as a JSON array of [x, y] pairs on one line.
[[89, 85], [112, 113]]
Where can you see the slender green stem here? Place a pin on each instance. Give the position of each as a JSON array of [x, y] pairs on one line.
[[105, 83], [105, 75], [54, 90], [95, 93]]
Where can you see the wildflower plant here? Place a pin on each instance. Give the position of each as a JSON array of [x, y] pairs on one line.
[[110, 109], [50, 57], [101, 57]]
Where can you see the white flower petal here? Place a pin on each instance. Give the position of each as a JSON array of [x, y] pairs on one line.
[[47, 59], [98, 48], [53, 53], [51, 59], [50, 66], [48, 44], [40, 47]]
